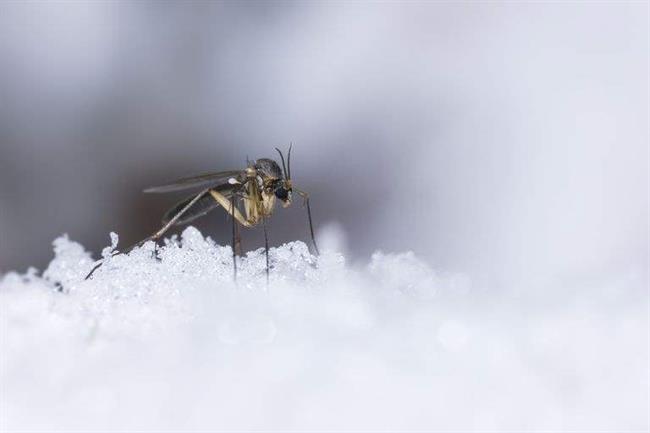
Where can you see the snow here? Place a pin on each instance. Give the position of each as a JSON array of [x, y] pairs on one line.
[[172, 343]]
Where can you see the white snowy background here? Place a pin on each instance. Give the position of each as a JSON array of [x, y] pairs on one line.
[[174, 344], [479, 175]]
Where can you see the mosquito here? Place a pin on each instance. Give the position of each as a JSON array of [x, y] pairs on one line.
[[248, 196]]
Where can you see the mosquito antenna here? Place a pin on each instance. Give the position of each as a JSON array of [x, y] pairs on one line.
[[289, 161], [284, 167]]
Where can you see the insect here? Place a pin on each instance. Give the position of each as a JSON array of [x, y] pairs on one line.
[[248, 196]]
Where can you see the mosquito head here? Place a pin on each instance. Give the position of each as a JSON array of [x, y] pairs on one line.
[[282, 191]]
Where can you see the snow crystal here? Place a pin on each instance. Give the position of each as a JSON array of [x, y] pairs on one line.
[[163, 338]]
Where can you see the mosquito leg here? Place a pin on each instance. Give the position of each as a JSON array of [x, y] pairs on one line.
[[155, 251], [156, 235], [93, 270], [171, 222], [228, 206], [234, 237], [238, 246], [305, 197], [238, 242], [266, 249], [311, 226]]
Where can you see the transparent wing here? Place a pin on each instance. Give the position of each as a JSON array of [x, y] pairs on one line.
[[203, 206], [195, 181]]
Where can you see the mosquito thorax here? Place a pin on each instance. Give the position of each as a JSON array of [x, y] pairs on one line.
[[268, 169]]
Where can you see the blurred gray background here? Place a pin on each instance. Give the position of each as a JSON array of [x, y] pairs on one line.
[[508, 141]]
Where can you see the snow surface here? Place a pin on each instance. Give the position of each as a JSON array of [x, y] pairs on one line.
[[174, 344]]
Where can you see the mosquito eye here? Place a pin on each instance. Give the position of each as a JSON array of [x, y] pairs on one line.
[[282, 193]]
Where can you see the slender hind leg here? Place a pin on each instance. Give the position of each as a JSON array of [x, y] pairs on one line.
[[156, 235], [266, 249]]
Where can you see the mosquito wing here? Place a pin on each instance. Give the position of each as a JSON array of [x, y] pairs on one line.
[[195, 181]]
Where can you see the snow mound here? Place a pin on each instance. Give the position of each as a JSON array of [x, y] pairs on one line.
[[165, 340]]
